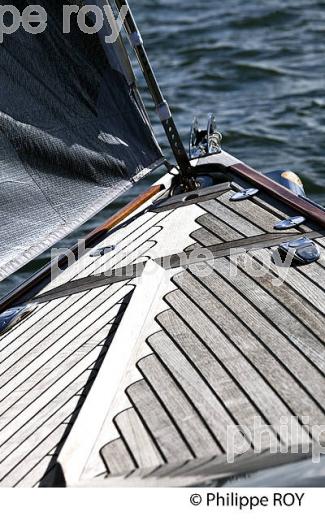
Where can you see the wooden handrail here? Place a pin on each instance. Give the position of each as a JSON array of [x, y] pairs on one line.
[[33, 284], [261, 181], [127, 210]]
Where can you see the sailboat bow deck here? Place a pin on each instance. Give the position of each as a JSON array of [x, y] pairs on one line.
[[175, 368]]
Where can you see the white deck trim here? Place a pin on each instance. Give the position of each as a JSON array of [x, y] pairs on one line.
[[84, 433]]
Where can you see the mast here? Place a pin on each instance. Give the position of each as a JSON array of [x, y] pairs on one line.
[[161, 104]]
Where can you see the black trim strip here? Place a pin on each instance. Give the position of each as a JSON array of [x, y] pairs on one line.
[[182, 259]]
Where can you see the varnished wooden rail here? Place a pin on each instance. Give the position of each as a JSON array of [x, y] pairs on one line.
[[126, 211], [33, 284], [261, 181]]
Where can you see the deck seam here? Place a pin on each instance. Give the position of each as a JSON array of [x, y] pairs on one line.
[[170, 417], [91, 265], [252, 254], [56, 341], [254, 405], [78, 300], [263, 343], [179, 386], [206, 382], [100, 356]]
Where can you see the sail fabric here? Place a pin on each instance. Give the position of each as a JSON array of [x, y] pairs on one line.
[[73, 135]]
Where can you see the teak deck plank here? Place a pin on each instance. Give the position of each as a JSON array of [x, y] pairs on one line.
[[249, 283], [117, 458], [210, 369], [218, 228], [34, 478], [183, 413], [265, 400], [36, 419], [22, 427], [127, 245], [315, 272], [287, 298], [43, 363], [286, 322], [168, 438], [137, 438], [268, 335], [198, 391], [123, 240], [31, 459], [231, 218], [310, 292], [266, 221], [21, 474], [296, 279], [262, 360], [204, 236], [253, 213], [61, 342]]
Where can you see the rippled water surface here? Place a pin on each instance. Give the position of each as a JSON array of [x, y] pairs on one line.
[[259, 65]]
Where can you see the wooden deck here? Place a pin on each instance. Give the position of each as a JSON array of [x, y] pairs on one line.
[[163, 367]]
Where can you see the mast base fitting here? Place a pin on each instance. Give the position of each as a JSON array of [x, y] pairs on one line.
[[183, 184]]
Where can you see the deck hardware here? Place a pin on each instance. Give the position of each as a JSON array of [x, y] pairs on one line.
[[205, 142], [303, 250], [244, 195], [102, 251], [195, 197], [10, 317], [289, 223]]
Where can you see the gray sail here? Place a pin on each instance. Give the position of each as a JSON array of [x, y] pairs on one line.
[[73, 134]]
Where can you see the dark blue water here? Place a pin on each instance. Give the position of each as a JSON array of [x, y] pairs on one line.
[[259, 65]]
